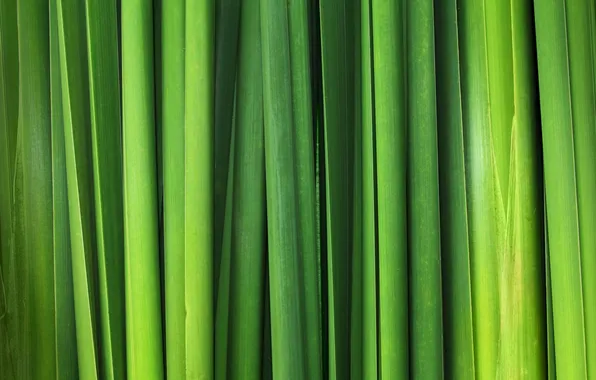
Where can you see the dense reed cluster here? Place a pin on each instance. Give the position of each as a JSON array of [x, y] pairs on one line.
[[297, 189]]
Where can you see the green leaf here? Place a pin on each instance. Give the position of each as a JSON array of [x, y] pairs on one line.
[[9, 97], [38, 357], [143, 305], [390, 123], [369, 196], [173, 132], [227, 24], [559, 69], [424, 246], [223, 289], [248, 256], [305, 172], [287, 349], [66, 343], [337, 68], [582, 79], [504, 193], [75, 102], [104, 94], [187, 135], [455, 251]]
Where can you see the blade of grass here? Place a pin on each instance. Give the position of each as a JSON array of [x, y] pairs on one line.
[[9, 92], [38, 255], [455, 252], [66, 343], [287, 347], [523, 333], [104, 87], [390, 117], [173, 32], [223, 289], [143, 320], [267, 362], [198, 164], [227, 24], [583, 114], [504, 189], [337, 37], [18, 271], [9, 96], [75, 102], [369, 213], [248, 224], [552, 370], [560, 186], [485, 207], [304, 151], [357, 296], [426, 335]]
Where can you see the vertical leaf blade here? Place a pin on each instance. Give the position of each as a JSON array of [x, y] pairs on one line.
[[104, 93], [390, 123], [143, 320]]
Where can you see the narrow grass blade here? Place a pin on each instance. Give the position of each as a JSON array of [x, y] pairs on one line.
[[288, 351], [390, 122], [552, 367], [143, 320], [223, 290], [37, 253], [104, 94], [523, 333], [504, 192], [9, 97], [337, 37], [227, 24], [455, 252], [18, 273], [561, 178], [75, 102], [173, 33], [424, 245], [357, 310], [247, 286], [486, 210], [188, 165], [267, 362], [66, 343], [356, 325], [198, 164], [9, 87], [369, 196], [582, 79], [299, 36]]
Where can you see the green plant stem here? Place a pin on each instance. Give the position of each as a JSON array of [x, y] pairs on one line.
[[390, 122], [455, 252], [173, 32], [66, 343], [143, 320], [282, 212], [198, 192], [104, 85], [248, 225], [39, 345], [223, 290], [426, 335], [304, 151], [369, 214], [561, 188], [337, 70]]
